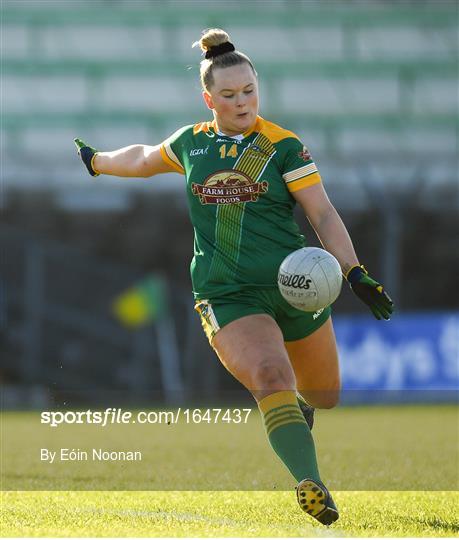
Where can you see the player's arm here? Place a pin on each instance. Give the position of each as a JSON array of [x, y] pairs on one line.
[[334, 237], [137, 160], [327, 224]]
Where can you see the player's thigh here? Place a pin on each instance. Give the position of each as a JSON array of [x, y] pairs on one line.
[[316, 366], [252, 349]]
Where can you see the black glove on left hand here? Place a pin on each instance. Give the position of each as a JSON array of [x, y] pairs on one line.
[[86, 154]]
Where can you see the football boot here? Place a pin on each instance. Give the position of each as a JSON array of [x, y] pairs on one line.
[[314, 499], [307, 410]]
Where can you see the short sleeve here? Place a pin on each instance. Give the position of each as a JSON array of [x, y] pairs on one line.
[[299, 170], [172, 150]]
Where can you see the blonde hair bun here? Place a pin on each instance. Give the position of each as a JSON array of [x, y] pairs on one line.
[[211, 38], [219, 53]]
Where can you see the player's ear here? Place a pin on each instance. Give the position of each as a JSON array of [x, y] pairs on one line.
[[208, 100]]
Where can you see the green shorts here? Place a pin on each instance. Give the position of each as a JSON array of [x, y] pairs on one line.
[[295, 324]]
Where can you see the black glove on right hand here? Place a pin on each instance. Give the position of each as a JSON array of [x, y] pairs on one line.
[[86, 154], [370, 292]]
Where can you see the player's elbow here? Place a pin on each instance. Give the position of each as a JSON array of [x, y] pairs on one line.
[[143, 168], [321, 216]]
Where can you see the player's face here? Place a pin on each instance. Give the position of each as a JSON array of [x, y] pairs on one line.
[[234, 98]]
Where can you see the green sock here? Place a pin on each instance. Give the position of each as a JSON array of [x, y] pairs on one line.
[[289, 434]]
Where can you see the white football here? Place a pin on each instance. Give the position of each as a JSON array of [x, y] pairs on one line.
[[310, 279]]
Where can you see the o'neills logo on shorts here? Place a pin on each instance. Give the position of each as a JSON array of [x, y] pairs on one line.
[[228, 187]]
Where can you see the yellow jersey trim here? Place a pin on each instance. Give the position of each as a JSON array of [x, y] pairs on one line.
[[296, 174], [164, 151], [274, 132], [202, 126], [306, 181]]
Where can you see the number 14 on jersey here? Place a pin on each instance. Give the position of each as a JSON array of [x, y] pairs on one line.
[[232, 152]]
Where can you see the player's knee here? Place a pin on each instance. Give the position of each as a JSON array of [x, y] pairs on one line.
[[321, 399], [272, 376], [327, 400], [330, 402]]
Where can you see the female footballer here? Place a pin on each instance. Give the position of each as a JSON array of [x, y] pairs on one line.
[[244, 176]]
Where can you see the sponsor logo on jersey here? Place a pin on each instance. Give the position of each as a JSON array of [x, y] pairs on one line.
[[317, 313], [254, 152], [304, 155], [256, 148], [229, 140], [199, 151], [229, 187]]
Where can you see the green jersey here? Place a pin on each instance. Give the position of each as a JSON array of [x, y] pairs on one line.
[[241, 207]]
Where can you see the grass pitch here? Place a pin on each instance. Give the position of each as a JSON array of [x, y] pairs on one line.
[[216, 514], [410, 451]]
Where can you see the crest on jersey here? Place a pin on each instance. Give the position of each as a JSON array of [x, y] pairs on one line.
[[304, 155], [229, 187]]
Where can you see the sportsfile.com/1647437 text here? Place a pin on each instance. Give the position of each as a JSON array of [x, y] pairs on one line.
[[113, 415]]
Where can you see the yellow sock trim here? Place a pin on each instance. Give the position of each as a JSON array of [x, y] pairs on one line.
[[291, 420], [286, 397], [279, 411]]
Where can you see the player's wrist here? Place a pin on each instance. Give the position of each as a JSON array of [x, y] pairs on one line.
[[92, 166], [355, 273]]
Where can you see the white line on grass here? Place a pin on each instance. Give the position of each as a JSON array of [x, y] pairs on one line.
[[189, 517]]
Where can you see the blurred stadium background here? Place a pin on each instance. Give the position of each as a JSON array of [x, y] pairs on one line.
[[370, 86]]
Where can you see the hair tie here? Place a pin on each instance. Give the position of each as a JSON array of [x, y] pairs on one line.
[[217, 50]]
